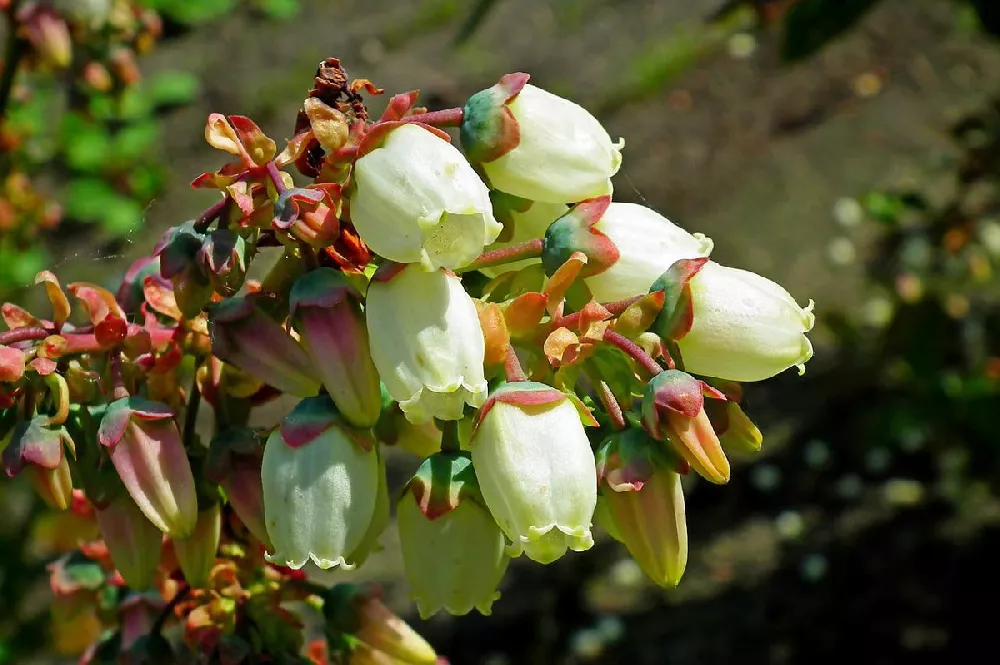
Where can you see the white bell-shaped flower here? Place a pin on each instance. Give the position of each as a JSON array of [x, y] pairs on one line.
[[745, 327], [536, 470], [426, 342], [321, 481], [416, 199], [550, 149], [648, 243]]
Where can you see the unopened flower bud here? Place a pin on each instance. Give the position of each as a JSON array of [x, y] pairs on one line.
[[673, 409], [223, 259], [55, 486], [644, 504], [536, 145], [320, 479], [453, 551], [417, 200], [149, 456], [245, 336], [234, 462], [745, 327], [196, 553], [48, 34], [178, 251], [42, 449], [426, 342], [326, 310], [647, 245], [536, 470], [357, 610], [737, 433], [133, 542], [11, 364], [97, 76]]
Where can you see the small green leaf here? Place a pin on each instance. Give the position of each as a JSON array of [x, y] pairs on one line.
[[136, 140], [85, 143], [279, 9], [174, 88], [122, 216], [87, 198], [146, 181]]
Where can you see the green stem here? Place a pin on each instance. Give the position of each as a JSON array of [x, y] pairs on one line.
[[449, 436], [191, 416]]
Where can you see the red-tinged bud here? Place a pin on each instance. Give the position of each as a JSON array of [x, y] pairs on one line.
[[42, 449], [643, 504], [137, 615], [576, 231], [357, 610], [245, 336], [196, 553], [11, 364], [326, 310], [673, 409], [133, 542], [234, 462], [48, 34], [149, 455], [223, 259], [124, 66], [97, 76]]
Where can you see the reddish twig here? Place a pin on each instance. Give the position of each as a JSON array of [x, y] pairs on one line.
[[634, 351]]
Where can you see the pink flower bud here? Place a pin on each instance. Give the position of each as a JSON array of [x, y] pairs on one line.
[[43, 449], [147, 452], [327, 313], [11, 364], [133, 541], [248, 338], [196, 553], [673, 409], [48, 33]]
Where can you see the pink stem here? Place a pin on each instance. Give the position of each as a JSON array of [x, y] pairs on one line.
[[23, 335], [633, 350], [443, 118], [212, 213], [275, 175], [512, 366], [616, 308], [525, 250], [611, 405]]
